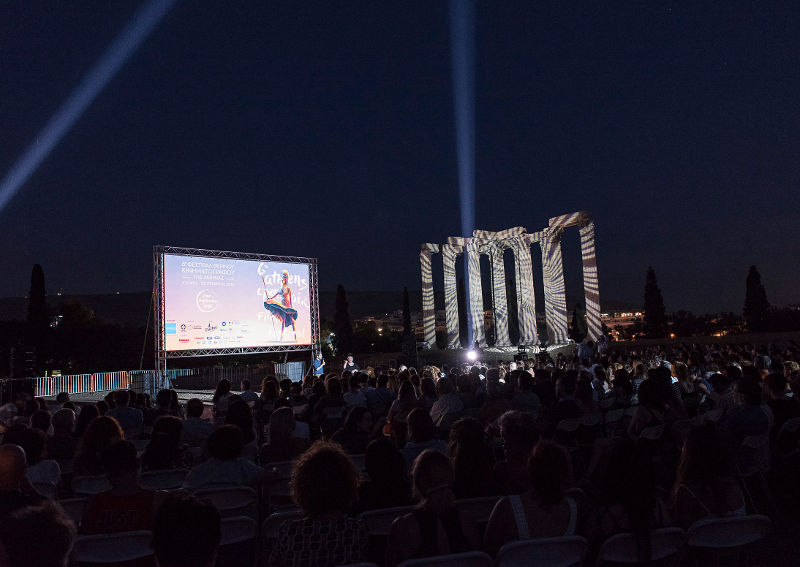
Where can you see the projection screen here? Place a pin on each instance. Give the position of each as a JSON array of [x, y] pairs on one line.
[[214, 302]]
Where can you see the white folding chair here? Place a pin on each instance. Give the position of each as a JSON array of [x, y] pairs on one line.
[[379, 522], [140, 444], [112, 548], [237, 529], [48, 489], [74, 508], [652, 433], [623, 548], [591, 420], [88, 485], [163, 480], [728, 533], [359, 461], [788, 429], [713, 415], [612, 421], [280, 491], [271, 524], [469, 559], [548, 552], [478, 508], [232, 501]]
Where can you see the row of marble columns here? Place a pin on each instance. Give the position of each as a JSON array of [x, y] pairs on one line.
[[493, 244]]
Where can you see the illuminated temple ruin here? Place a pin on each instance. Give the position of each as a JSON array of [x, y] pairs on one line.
[[493, 244]]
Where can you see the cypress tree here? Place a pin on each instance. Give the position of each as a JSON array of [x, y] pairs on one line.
[[655, 319], [341, 322], [756, 306]]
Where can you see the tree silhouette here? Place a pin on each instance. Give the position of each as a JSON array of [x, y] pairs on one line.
[[756, 306], [655, 320], [341, 323], [38, 324]]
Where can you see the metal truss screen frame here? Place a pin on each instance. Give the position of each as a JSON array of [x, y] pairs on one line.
[[162, 253]]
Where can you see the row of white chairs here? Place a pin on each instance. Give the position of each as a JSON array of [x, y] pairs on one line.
[[128, 546], [710, 535]]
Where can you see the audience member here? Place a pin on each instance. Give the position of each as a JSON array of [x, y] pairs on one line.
[[164, 450], [542, 511], [324, 487], [126, 506], [85, 417], [436, 526], [282, 444], [705, 486], [519, 434], [225, 465], [388, 485], [36, 535], [420, 437], [102, 432], [61, 445], [186, 532], [130, 419], [356, 432], [196, 429], [15, 490], [472, 460]]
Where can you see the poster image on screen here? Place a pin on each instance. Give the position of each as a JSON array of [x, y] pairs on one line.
[[228, 303]]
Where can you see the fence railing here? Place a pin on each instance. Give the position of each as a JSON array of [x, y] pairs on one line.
[[151, 381]]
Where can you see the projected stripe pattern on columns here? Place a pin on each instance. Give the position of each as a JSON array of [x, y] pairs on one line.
[[449, 253], [473, 258], [526, 301], [499, 300], [591, 286], [520, 241], [428, 307]]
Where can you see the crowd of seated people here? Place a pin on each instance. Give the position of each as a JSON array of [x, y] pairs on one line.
[[431, 438]]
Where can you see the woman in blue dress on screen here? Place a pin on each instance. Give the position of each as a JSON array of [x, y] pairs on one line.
[[280, 304]]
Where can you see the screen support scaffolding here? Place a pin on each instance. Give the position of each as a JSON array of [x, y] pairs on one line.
[[162, 354]]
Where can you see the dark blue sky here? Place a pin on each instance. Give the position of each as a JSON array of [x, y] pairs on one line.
[[326, 129]]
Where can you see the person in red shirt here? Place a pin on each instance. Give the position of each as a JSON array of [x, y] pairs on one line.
[[127, 506]]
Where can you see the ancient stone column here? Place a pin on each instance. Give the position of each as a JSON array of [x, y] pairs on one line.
[[499, 301], [555, 301], [428, 307], [526, 303], [473, 258], [591, 287], [449, 252]]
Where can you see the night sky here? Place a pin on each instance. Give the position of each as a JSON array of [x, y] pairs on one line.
[[326, 129]]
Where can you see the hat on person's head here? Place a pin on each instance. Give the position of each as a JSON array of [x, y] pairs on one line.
[[791, 365]]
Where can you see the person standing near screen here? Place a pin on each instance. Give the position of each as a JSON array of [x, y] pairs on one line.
[[319, 365], [350, 365], [280, 304]]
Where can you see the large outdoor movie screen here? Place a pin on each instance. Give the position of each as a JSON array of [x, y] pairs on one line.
[[216, 302]]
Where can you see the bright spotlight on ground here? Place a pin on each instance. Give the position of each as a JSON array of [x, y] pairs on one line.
[[472, 355]]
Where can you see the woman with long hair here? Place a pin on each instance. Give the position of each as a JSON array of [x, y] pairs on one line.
[[88, 413], [436, 526], [220, 400], [542, 511], [101, 433], [705, 486], [399, 410], [164, 450], [356, 432]]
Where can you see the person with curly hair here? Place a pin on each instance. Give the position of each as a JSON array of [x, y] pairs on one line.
[[324, 486]]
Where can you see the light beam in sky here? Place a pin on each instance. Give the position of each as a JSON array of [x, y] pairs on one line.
[[462, 47], [138, 28]]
